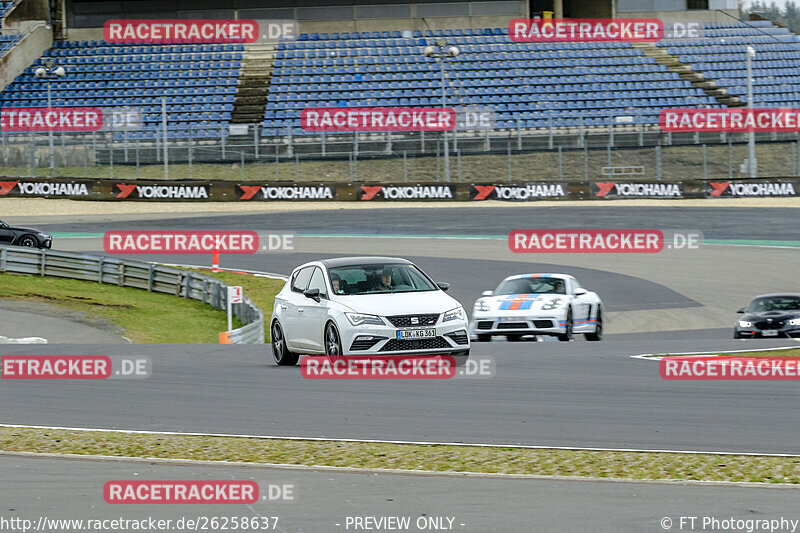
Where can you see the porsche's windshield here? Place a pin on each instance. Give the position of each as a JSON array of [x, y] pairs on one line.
[[535, 285], [379, 278], [774, 303]]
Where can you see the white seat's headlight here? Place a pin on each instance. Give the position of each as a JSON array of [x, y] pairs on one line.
[[359, 319], [454, 314]]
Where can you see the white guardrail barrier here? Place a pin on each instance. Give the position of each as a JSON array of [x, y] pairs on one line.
[[139, 275]]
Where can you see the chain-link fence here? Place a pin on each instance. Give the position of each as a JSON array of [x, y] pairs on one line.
[[515, 155]]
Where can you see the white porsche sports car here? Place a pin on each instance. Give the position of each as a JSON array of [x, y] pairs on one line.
[[538, 304], [365, 306]]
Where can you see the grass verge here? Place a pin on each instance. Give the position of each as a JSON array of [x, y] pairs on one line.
[[147, 318], [259, 289], [677, 163], [437, 458]]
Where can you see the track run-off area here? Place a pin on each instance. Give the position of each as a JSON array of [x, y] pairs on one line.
[[578, 394]]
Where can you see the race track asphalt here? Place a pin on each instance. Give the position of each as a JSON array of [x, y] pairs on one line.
[[549, 394], [31, 488]]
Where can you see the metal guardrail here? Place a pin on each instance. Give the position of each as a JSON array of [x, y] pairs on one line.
[[139, 275]]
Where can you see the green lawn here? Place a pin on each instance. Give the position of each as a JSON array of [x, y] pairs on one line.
[[147, 318]]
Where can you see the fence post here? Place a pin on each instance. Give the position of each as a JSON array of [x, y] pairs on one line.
[[519, 134], [422, 141], [255, 140], [640, 126], [277, 155], [110, 158], [44, 260], [121, 274], [388, 142], [458, 164], [63, 151], [138, 169], [33, 155], [150, 277], [509, 158], [705, 163], [355, 145], [405, 166], [585, 163], [100, 267], [224, 139], [3, 259], [85, 157], [486, 146], [610, 128], [242, 152], [124, 142], [581, 133], [549, 130], [94, 149], [730, 158], [658, 160], [191, 149], [323, 143], [188, 284], [560, 165]]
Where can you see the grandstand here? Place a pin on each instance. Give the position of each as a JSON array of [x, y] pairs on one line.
[[532, 87], [198, 82]]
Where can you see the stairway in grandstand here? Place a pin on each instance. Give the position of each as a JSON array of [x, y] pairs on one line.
[[686, 72], [255, 76]]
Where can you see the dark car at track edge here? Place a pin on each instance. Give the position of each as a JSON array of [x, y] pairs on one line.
[[17, 236], [770, 315]]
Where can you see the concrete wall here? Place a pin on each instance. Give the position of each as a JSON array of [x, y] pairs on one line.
[[29, 49], [28, 10]]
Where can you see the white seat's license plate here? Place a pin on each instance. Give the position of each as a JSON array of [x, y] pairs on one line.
[[770, 332], [405, 334]]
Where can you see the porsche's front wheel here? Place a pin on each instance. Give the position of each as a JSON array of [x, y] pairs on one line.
[[598, 328], [567, 335]]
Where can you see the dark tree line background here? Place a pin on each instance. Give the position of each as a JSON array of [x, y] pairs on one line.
[[788, 16]]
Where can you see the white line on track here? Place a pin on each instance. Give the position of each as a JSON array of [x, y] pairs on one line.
[[659, 356], [375, 441]]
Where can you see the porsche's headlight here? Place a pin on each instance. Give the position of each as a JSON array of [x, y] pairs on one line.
[[794, 322], [43, 235], [482, 305], [454, 314], [359, 319], [745, 324], [552, 304]]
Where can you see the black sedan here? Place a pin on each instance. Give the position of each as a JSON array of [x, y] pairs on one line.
[[24, 237], [770, 315]]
